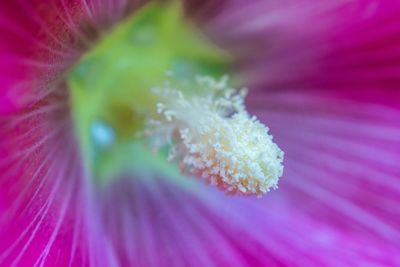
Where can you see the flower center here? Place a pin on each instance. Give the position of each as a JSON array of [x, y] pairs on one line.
[[110, 85], [126, 121]]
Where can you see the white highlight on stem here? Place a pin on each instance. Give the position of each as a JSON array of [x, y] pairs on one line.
[[213, 136]]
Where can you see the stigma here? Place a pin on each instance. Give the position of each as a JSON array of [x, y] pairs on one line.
[[212, 136]]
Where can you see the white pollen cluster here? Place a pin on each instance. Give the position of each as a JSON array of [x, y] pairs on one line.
[[214, 137]]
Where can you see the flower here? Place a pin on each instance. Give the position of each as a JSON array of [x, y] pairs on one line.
[[322, 76]]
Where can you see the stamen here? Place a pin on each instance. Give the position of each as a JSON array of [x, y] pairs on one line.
[[213, 137]]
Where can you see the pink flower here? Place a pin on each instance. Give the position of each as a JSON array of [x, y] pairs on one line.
[[324, 77]]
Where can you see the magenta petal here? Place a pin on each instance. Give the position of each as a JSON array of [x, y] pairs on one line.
[[302, 44], [341, 170], [39, 40]]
